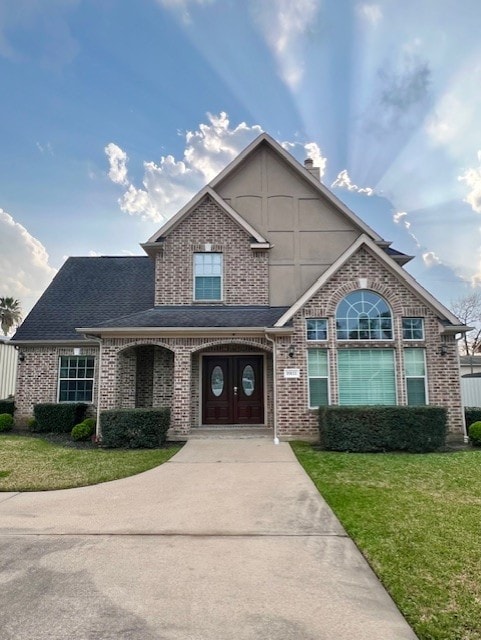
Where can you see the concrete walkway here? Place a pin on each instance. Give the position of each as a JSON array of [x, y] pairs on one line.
[[228, 540]]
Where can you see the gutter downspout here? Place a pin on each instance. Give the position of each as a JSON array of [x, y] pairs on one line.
[[274, 384], [100, 342], [465, 428]]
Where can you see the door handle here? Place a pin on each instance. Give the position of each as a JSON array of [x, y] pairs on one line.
[[235, 391]]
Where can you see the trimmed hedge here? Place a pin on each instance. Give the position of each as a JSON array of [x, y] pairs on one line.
[[7, 406], [6, 422], [472, 414], [58, 418], [380, 428], [134, 428]]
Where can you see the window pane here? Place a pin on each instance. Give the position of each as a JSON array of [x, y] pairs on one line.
[[363, 315], [413, 328], [316, 329], [317, 362], [366, 377], [414, 362], [207, 288], [318, 395], [416, 391], [76, 378]]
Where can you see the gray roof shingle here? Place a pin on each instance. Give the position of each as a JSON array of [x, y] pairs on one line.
[[200, 316], [87, 291], [119, 292]]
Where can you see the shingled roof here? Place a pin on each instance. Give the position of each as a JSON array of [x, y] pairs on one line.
[[87, 291], [183, 316]]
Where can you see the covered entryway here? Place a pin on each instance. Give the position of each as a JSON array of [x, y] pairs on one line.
[[233, 389]]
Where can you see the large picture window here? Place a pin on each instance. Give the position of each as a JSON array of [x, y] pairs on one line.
[[207, 276], [415, 372], [318, 373], [364, 315], [366, 377], [76, 378]]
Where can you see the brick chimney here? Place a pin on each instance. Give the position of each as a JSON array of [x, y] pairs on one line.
[[314, 171]]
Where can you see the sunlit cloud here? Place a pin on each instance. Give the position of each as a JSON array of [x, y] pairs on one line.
[[472, 178], [400, 217], [311, 150], [170, 183], [343, 181], [430, 259], [118, 163], [284, 25], [24, 263]]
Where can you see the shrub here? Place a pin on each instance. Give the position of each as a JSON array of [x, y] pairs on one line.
[[7, 406], [32, 424], [379, 428], [134, 428], [6, 422], [84, 430], [58, 418], [474, 433], [472, 414]]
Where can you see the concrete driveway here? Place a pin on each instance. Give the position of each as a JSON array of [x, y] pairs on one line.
[[227, 540]]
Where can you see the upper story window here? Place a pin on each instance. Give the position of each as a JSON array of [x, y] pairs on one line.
[[316, 328], [208, 276], [364, 315], [413, 329]]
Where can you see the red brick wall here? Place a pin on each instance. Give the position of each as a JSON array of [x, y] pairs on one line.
[[245, 277], [294, 416]]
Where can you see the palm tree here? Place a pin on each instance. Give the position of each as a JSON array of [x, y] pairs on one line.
[[10, 313]]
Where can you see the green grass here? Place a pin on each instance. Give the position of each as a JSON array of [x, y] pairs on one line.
[[34, 464], [417, 519]]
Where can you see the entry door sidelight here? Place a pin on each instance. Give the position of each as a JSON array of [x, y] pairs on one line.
[[233, 390]]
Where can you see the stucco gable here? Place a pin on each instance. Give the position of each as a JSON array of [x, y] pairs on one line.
[[402, 280]]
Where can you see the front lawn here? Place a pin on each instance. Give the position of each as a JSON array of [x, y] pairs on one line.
[[33, 464], [417, 519]]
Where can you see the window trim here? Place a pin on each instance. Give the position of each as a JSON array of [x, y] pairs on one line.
[[60, 379], [317, 339], [326, 377], [221, 297], [422, 329], [425, 377]]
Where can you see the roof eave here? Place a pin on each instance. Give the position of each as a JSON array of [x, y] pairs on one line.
[[143, 331]]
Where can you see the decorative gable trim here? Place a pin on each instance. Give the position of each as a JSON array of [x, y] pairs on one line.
[[171, 224], [390, 264], [265, 138]]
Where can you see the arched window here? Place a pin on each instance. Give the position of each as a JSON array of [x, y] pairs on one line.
[[363, 315]]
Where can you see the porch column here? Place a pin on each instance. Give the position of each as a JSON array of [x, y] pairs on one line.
[[181, 418]]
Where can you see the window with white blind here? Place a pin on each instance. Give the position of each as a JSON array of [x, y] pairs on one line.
[[207, 276], [415, 374], [366, 377], [318, 372]]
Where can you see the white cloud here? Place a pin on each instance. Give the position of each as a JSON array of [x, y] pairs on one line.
[[170, 183], [400, 217], [45, 148], [430, 259], [371, 12], [24, 268], [344, 181], [311, 150], [118, 163], [472, 178], [284, 24]]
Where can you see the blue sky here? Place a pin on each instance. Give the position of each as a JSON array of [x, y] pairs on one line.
[[113, 113]]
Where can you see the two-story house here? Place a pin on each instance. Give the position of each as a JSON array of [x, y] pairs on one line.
[[262, 299]]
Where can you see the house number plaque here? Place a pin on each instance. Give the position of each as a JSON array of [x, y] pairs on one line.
[[292, 373]]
